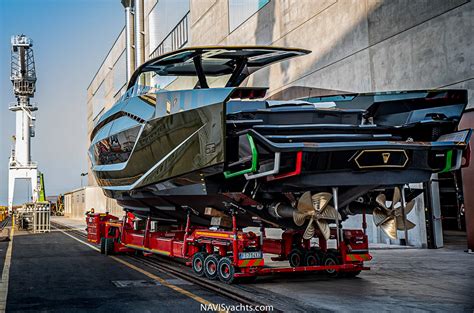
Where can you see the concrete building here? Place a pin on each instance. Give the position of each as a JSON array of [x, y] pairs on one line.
[[358, 46], [81, 200]]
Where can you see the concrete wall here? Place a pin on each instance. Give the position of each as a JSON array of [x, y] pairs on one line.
[[358, 45], [75, 203], [95, 198], [79, 201], [67, 204], [416, 236], [468, 184]]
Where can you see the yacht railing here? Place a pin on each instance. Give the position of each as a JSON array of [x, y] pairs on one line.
[[176, 39]]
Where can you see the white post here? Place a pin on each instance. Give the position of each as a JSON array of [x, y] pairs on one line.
[[11, 190]]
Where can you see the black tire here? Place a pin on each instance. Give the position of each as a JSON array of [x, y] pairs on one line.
[[109, 246], [225, 270], [210, 266], [318, 252], [198, 263], [352, 274], [295, 258], [311, 259], [331, 259], [102, 245]]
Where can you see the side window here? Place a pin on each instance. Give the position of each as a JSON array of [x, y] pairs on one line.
[[102, 133], [123, 122]]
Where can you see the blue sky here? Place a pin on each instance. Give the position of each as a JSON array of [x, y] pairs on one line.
[[71, 38]]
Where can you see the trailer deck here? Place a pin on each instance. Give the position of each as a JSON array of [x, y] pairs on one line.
[[230, 255]]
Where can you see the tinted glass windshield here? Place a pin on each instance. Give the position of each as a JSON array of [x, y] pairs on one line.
[[157, 82], [201, 67]]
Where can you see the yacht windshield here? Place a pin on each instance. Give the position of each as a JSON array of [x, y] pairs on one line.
[[157, 82], [205, 67]]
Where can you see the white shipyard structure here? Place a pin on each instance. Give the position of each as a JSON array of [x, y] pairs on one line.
[[23, 77]]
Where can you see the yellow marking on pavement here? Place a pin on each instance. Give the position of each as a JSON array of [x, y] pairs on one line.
[[148, 274], [6, 272]]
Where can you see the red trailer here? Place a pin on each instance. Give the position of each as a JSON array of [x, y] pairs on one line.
[[231, 254], [96, 226]]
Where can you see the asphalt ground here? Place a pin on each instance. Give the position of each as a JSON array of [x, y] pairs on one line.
[[4, 233], [400, 280], [3, 252], [54, 273]]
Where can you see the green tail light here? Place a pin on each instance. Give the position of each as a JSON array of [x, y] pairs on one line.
[[253, 168], [449, 161]]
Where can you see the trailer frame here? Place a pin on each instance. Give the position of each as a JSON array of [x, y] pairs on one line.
[[234, 254]]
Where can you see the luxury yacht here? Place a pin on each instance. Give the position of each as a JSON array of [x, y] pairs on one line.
[[186, 137]]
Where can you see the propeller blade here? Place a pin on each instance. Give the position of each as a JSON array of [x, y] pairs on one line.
[[381, 201], [396, 197], [305, 204], [379, 216], [389, 227], [400, 225], [329, 213], [320, 200], [310, 230], [409, 206], [299, 218], [324, 228]]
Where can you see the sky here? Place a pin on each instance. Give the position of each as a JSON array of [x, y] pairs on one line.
[[70, 40]]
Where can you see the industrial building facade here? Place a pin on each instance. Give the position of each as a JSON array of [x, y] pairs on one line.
[[79, 201], [358, 46]]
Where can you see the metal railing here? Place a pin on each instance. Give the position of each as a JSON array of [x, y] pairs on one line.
[[15, 164], [176, 39], [35, 216]]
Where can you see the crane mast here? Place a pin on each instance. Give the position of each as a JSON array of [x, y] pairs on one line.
[[23, 77]]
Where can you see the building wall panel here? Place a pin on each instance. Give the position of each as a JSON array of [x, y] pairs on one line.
[[388, 18], [212, 27], [434, 54]]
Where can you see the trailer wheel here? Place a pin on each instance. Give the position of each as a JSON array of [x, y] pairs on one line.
[[331, 259], [210, 266], [198, 263], [102, 245], [318, 252], [109, 246], [311, 259], [295, 258], [225, 270]]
